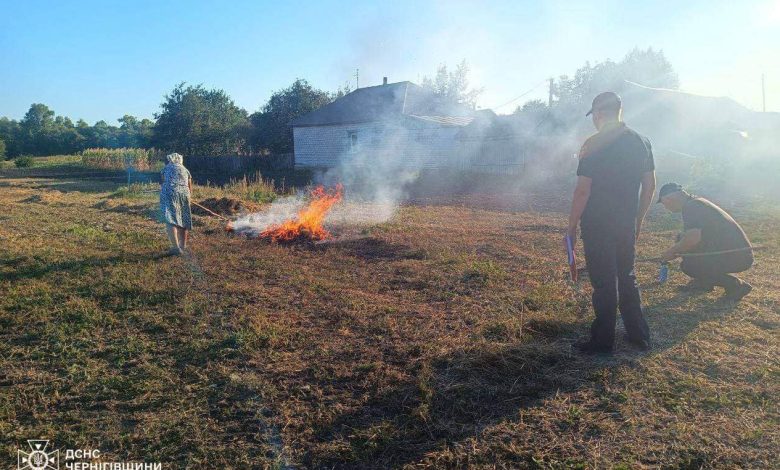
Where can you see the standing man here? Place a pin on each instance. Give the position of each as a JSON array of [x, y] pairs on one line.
[[609, 208], [708, 229]]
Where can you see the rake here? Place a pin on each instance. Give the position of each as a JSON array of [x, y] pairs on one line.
[[210, 211], [705, 253]]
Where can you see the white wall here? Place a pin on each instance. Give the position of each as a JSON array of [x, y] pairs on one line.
[[418, 144]]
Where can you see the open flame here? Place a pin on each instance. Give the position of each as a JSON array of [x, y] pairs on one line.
[[308, 224]]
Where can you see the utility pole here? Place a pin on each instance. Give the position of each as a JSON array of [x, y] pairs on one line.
[[763, 91], [550, 98], [357, 78]]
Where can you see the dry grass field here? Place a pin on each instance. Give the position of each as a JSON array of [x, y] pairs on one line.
[[440, 339]]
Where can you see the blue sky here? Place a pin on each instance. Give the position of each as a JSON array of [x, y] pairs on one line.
[[102, 59]]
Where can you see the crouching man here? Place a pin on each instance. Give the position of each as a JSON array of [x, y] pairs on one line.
[[708, 229]]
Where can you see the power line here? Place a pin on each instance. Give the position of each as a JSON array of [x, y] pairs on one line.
[[521, 95]]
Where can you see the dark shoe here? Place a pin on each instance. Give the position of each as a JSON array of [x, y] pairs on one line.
[[174, 252], [736, 294], [697, 285], [640, 344], [588, 347]]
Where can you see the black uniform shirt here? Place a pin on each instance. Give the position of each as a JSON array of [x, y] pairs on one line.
[[719, 231], [615, 159]]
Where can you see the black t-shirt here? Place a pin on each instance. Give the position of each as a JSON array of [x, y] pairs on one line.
[[615, 159], [719, 231]]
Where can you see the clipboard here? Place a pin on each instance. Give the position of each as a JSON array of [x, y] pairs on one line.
[[572, 259]]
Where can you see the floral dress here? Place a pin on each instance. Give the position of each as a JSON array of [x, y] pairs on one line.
[[175, 196]]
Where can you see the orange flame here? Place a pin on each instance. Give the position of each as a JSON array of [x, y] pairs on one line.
[[308, 224]]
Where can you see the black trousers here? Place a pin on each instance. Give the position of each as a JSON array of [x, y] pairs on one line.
[[715, 269], [610, 260]]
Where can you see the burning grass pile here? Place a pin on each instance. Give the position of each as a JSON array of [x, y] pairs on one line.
[[308, 225], [305, 227]]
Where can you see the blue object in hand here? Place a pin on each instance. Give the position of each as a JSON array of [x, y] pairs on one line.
[[572, 259], [663, 273]]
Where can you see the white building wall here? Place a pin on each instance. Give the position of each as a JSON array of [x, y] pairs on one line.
[[494, 155], [418, 145]]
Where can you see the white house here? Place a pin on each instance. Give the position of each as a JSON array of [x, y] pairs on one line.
[[402, 122]]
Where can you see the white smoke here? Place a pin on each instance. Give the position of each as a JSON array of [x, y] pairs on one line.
[[282, 209], [376, 169]]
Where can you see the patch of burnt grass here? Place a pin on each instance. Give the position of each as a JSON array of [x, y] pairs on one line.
[[376, 249]]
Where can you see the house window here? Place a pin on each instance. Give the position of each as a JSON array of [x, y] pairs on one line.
[[352, 139]]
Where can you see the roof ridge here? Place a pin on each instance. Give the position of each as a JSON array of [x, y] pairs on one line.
[[376, 103], [404, 82]]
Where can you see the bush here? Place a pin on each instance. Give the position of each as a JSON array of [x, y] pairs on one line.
[[260, 190], [24, 162]]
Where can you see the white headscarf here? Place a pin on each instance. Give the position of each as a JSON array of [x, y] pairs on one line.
[[174, 158]]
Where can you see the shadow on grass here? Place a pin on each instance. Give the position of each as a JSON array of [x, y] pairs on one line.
[[457, 396], [32, 268], [69, 178], [373, 249], [146, 210], [87, 185]]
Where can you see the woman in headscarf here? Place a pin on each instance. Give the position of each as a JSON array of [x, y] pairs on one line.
[[175, 202]]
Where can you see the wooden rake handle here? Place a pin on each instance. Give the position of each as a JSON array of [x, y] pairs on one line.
[[210, 211]]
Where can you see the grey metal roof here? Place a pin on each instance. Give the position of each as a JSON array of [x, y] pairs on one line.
[[458, 121], [382, 102]]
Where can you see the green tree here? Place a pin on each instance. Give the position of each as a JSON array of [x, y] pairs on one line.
[[453, 86], [532, 107], [9, 133], [128, 130], [134, 133], [2, 149], [196, 121], [36, 129], [271, 125], [647, 67], [144, 133], [41, 132], [103, 135], [64, 138], [650, 68], [341, 92], [88, 134], [38, 118]]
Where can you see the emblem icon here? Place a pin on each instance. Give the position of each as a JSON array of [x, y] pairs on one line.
[[38, 458]]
